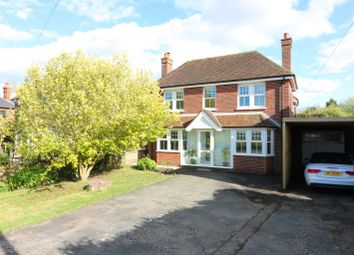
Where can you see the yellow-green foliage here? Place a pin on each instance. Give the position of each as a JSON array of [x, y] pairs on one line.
[[332, 109], [76, 109]]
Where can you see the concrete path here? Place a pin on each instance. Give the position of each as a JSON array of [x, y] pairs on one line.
[[200, 212]]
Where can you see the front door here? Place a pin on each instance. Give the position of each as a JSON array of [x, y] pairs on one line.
[[205, 155]]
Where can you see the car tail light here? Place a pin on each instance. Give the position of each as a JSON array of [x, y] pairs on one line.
[[351, 173], [313, 171]]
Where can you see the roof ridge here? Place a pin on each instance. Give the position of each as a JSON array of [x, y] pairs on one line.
[[220, 56]]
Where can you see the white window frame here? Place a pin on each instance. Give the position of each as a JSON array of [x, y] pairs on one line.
[[174, 99], [174, 140], [162, 139], [249, 141], [251, 95], [256, 141], [169, 139], [209, 108], [242, 141]]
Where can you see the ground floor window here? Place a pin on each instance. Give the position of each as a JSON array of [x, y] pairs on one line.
[[254, 142], [169, 142]]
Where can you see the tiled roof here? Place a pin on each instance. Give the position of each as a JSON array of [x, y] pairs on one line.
[[235, 67], [235, 120], [6, 104]]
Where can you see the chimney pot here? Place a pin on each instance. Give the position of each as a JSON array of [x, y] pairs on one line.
[[166, 64]]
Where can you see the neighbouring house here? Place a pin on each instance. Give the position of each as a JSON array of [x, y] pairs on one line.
[[231, 109], [6, 103]]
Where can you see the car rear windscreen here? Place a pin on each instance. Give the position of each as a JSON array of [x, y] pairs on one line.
[[330, 158]]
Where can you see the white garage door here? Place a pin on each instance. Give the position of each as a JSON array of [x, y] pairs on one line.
[[314, 141]]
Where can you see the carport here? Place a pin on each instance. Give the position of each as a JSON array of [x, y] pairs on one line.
[[303, 136]]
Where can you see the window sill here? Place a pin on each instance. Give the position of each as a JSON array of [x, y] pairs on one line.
[[210, 109], [178, 111], [254, 155], [251, 108], [169, 151]]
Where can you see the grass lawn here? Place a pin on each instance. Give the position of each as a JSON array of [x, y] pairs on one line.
[[28, 206]]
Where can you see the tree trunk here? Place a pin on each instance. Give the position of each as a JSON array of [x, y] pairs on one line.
[[84, 172]]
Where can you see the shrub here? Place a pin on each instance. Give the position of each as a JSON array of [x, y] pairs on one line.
[[31, 177], [147, 163], [4, 159]]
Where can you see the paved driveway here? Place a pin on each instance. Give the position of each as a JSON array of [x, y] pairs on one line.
[[200, 212]]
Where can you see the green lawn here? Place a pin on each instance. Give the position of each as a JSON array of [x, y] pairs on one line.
[[28, 206]]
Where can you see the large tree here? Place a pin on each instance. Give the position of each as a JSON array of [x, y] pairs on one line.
[[77, 109]]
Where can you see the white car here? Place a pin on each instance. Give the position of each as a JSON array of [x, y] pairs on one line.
[[330, 169]]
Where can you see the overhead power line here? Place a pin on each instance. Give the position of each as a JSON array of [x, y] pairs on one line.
[[39, 36], [331, 54]]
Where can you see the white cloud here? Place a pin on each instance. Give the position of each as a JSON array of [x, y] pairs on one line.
[[267, 19], [21, 8], [316, 92], [8, 33], [343, 57], [23, 13], [100, 10], [216, 29]]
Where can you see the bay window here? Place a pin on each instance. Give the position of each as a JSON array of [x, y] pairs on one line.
[[241, 143], [257, 142], [251, 96], [174, 140], [169, 142], [163, 143], [175, 100]]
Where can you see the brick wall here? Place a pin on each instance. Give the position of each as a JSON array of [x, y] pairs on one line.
[[226, 98], [273, 100], [168, 158], [253, 165], [193, 100]]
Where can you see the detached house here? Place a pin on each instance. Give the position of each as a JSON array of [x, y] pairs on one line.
[[230, 108], [5, 103]]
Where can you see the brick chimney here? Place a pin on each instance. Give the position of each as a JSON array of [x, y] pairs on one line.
[[6, 91], [166, 64], [286, 43]]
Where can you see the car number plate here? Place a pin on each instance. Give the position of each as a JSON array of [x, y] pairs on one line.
[[333, 173]]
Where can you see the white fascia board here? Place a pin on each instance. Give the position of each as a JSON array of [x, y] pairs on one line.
[[195, 124], [228, 83]]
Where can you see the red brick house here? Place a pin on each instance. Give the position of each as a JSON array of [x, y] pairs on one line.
[[231, 108]]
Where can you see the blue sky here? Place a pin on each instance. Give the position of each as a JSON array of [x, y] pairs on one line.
[[143, 30]]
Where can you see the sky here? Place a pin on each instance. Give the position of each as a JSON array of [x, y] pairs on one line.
[[33, 31]]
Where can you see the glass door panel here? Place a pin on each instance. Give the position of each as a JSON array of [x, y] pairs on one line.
[[205, 145]]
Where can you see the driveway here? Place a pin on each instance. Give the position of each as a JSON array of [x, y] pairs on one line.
[[200, 212]]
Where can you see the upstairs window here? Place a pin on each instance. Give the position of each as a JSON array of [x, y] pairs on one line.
[[251, 96], [209, 98], [175, 100], [169, 99]]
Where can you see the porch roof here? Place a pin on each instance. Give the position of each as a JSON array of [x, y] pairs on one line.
[[233, 120]]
